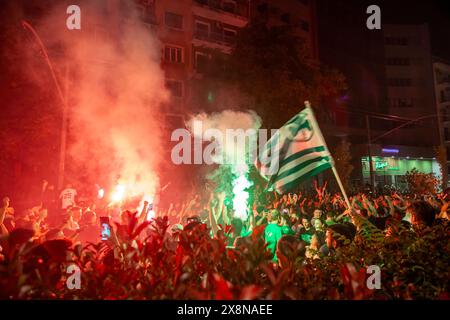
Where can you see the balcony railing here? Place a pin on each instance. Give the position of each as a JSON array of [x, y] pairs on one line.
[[239, 9], [147, 13], [216, 37]]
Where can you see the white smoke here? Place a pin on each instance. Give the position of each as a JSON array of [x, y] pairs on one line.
[[238, 131]]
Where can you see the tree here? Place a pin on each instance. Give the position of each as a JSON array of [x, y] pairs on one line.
[[421, 183], [342, 159], [275, 70], [441, 156]]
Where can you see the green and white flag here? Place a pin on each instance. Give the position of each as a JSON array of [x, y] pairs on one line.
[[297, 151]]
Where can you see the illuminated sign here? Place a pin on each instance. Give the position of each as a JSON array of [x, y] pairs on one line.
[[387, 150], [380, 165]]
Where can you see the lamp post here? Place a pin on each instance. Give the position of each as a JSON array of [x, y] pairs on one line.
[[62, 96], [369, 154]]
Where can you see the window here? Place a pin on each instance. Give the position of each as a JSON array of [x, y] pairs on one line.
[[175, 87], [146, 10], [445, 95], [391, 41], [445, 115], [201, 62], [173, 20], [405, 103], [201, 28], [398, 62], [229, 6], [442, 76], [446, 134], [229, 34], [399, 82], [146, 2], [173, 54], [401, 103], [304, 25]]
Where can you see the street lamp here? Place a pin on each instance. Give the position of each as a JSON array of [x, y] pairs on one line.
[[62, 153]]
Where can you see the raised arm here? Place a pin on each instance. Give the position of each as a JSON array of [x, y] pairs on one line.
[[369, 206], [2, 214], [143, 216], [212, 217], [391, 205]]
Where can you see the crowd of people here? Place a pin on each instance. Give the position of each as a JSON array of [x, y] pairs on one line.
[[311, 225]]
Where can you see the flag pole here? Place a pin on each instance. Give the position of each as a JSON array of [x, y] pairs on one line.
[[338, 179]]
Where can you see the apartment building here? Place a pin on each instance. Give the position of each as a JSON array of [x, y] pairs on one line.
[[441, 72], [409, 77], [189, 29], [186, 30]]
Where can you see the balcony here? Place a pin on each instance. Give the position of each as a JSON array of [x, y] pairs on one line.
[[215, 37], [238, 8], [146, 12], [233, 13]]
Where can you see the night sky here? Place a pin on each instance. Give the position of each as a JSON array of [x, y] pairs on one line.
[[436, 13]]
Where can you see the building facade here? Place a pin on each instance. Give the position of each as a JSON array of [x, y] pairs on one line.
[[441, 71], [190, 29], [390, 84], [409, 77]]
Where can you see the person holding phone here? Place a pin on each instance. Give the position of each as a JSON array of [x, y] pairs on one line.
[[105, 228]]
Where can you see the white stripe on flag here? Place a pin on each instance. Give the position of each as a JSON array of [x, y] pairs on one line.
[[300, 160], [300, 173]]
